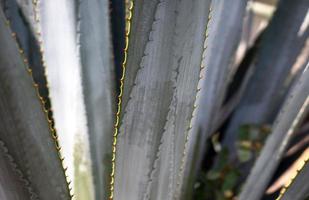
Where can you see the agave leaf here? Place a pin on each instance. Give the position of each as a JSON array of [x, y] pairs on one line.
[[286, 122], [60, 23], [170, 67], [17, 23], [27, 11], [224, 34], [22, 17], [299, 187], [141, 24], [98, 87], [144, 117], [162, 176], [235, 89], [190, 33], [24, 128], [13, 186], [264, 95]]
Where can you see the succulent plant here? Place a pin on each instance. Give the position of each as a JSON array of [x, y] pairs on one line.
[[143, 100]]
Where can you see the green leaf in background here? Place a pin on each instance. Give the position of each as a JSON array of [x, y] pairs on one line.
[[213, 175], [230, 181], [244, 155]]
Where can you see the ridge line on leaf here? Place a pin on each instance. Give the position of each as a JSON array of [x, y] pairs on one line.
[[187, 134], [22, 178], [145, 55], [171, 110]]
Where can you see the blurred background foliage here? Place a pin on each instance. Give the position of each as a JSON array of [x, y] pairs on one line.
[[223, 179]]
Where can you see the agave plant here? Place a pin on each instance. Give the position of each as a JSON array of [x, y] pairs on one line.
[[131, 99]]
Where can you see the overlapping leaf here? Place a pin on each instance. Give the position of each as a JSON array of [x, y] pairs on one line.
[[298, 189], [60, 34], [224, 35], [290, 115], [266, 89], [99, 88], [170, 67], [25, 130]]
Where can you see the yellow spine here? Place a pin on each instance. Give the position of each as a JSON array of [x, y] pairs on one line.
[[41, 99], [129, 8], [286, 187]]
